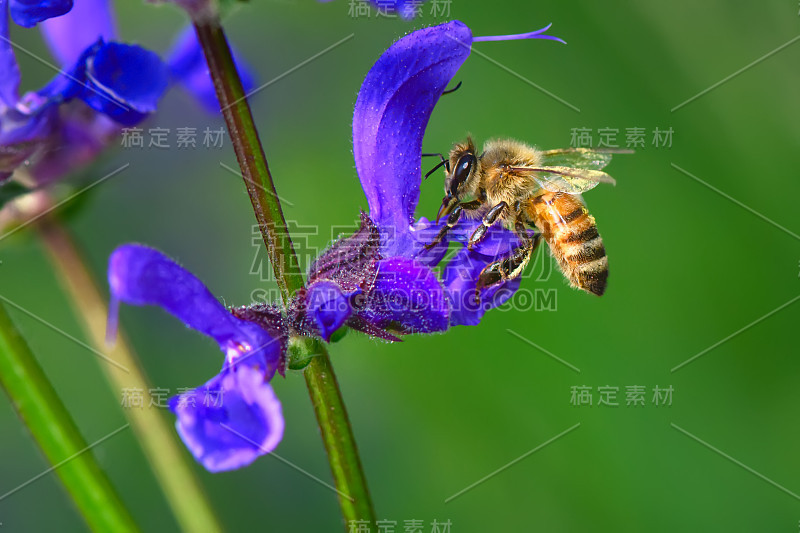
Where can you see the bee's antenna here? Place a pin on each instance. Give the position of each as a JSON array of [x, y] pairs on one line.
[[454, 89], [444, 162]]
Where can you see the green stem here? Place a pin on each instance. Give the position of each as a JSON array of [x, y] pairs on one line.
[[251, 157], [166, 455], [337, 436], [323, 389], [54, 430]]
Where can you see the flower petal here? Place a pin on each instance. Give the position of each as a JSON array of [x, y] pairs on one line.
[[124, 81], [230, 421], [9, 70], [328, 307], [423, 232], [497, 241], [139, 275], [28, 13], [188, 66], [69, 35], [460, 278], [392, 110], [406, 298]]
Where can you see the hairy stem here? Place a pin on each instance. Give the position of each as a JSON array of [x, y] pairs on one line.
[[55, 432], [163, 450], [323, 389]]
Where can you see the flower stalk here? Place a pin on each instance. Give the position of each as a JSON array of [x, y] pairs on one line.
[[326, 398], [165, 454], [55, 432]]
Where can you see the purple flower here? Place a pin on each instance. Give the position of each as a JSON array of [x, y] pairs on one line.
[[379, 280], [235, 417], [384, 269], [102, 86]]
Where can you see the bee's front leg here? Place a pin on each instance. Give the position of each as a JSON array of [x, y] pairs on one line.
[[488, 219], [511, 266], [452, 220]]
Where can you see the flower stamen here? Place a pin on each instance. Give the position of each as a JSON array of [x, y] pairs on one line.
[[538, 34]]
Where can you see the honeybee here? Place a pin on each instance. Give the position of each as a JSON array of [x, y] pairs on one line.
[[518, 186]]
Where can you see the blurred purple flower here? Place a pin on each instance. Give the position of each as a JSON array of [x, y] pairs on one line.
[[235, 417], [188, 67], [118, 81], [52, 129], [383, 272], [28, 13]]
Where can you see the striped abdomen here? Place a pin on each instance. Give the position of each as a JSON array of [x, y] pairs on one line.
[[571, 233]]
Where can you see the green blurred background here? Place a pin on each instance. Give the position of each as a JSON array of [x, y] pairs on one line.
[[435, 414]]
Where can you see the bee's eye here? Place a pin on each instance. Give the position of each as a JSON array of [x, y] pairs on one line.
[[461, 172]]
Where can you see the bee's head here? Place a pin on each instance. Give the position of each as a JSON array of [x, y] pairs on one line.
[[462, 178]]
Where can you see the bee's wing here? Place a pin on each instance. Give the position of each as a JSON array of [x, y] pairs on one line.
[[567, 179], [580, 157]]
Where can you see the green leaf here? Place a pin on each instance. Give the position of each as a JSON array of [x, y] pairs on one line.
[[55, 432]]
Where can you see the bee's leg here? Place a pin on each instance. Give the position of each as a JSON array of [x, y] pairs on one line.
[[512, 266], [452, 220], [488, 219]]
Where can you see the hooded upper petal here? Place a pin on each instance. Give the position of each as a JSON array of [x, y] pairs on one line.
[[69, 35], [230, 421], [28, 13], [392, 110], [139, 275]]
